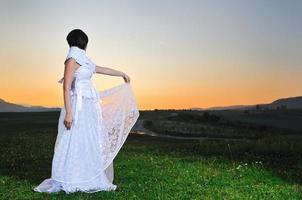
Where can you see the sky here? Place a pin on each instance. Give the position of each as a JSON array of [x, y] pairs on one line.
[[178, 54]]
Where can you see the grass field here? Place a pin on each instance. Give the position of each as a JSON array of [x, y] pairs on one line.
[[151, 168]]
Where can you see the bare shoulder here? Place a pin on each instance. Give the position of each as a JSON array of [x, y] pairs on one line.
[[71, 63]]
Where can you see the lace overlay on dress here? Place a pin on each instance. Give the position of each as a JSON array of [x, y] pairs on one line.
[[119, 113]]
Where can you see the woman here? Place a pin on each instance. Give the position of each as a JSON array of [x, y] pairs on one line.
[[92, 125]]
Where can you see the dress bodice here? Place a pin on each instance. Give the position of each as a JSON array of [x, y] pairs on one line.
[[82, 85], [82, 76]]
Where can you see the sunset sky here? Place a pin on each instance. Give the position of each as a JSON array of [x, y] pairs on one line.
[[178, 54]]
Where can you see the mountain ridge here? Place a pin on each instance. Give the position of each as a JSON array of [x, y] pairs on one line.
[[282, 103], [12, 107]]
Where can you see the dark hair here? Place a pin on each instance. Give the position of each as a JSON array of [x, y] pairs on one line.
[[77, 38]]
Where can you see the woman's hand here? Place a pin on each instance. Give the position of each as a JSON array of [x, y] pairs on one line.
[[68, 120], [126, 78]]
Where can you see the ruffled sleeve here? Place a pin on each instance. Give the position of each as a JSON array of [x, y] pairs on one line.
[[75, 54]]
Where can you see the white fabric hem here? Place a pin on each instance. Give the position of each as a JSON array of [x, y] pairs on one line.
[[52, 185]]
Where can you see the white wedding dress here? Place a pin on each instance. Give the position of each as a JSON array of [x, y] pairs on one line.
[[83, 156]]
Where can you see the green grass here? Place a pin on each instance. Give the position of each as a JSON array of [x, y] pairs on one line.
[[152, 168]]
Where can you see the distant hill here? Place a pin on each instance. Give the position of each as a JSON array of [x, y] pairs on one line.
[[292, 102], [284, 103], [11, 107], [233, 107]]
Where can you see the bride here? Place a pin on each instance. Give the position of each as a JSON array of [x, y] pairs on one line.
[[92, 127]]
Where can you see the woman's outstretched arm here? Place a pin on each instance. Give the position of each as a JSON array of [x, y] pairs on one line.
[[111, 72]]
